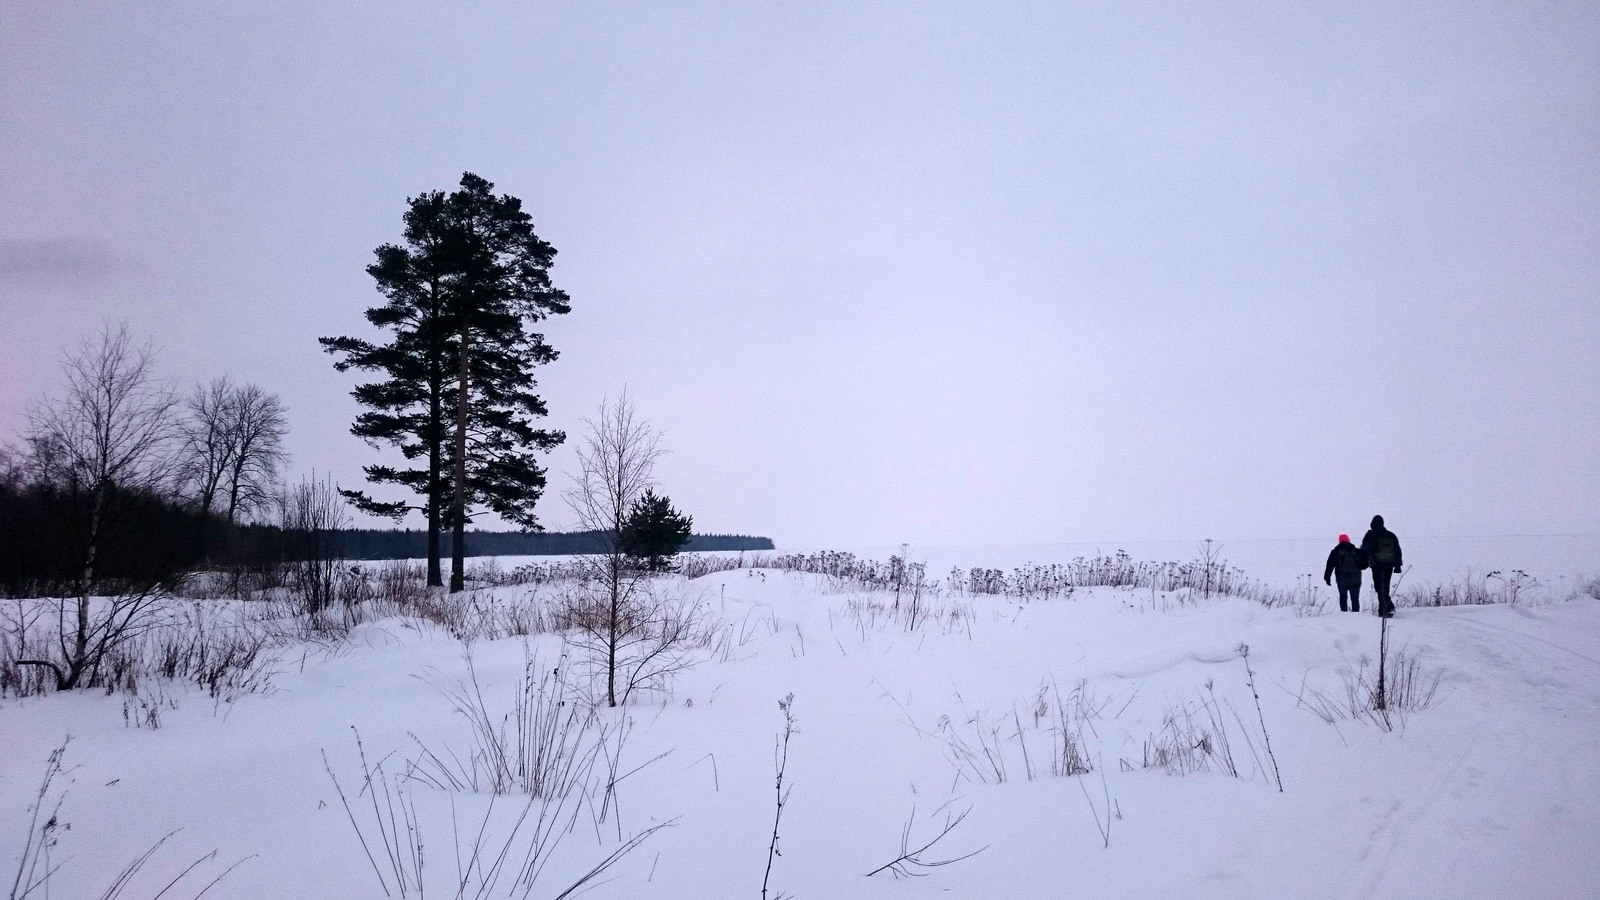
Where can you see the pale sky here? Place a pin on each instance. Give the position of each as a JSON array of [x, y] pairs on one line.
[[966, 273]]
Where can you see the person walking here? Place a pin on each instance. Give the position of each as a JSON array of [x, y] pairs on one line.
[[1382, 550], [1346, 561]]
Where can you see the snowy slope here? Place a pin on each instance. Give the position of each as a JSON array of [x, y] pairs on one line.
[[1494, 791]]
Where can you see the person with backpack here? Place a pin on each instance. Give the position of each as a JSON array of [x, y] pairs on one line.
[[1346, 561], [1382, 550]]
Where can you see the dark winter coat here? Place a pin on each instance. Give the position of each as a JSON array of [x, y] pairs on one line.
[[1347, 561], [1381, 546]]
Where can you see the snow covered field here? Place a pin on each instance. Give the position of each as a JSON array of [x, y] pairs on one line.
[[1561, 562], [980, 706]]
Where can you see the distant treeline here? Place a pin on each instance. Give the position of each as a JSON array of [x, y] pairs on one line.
[[147, 536], [382, 543], [143, 537]]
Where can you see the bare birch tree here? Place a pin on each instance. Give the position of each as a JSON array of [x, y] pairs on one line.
[[634, 630], [616, 465], [111, 432]]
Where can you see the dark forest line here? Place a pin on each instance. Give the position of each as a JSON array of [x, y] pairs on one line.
[[146, 536], [395, 543]]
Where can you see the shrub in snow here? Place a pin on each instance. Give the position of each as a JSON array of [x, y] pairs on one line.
[[545, 744], [635, 639], [227, 651], [1193, 738]]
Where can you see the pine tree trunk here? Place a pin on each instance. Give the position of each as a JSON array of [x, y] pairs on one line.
[[458, 554], [435, 433]]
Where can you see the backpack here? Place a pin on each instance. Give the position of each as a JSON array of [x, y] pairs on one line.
[[1383, 546], [1349, 562]]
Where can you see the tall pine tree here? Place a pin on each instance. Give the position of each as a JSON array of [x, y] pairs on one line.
[[406, 408], [458, 397], [504, 287]]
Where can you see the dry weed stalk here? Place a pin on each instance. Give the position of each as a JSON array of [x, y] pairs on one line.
[[780, 759], [911, 863]]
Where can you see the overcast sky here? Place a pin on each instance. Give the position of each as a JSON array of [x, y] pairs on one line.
[[975, 273]]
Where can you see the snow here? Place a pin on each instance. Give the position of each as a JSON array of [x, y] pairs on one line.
[[1494, 791]]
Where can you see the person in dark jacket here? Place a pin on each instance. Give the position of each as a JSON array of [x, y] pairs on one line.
[[1382, 550], [1346, 561]]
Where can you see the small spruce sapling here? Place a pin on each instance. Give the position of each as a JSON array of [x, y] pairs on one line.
[[654, 532]]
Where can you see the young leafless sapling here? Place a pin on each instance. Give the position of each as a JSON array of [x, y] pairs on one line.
[[119, 621], [1380, 698], [633, 632], [312, 514], [1402, 685]]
